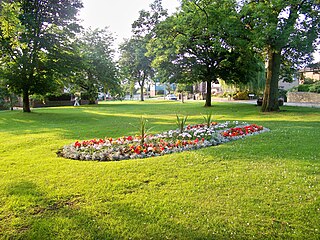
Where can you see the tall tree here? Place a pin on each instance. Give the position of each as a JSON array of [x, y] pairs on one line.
[[35, 42], [204, 41], [287, 31], [97, 71], [135, 63]]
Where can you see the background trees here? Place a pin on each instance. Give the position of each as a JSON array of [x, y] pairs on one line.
[[35, 41], [96, 69], [135, 63], [204, 41]]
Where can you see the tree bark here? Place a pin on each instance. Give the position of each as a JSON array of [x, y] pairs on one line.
[[141, 90], [141, 94], [26, 101], [270, 98], [208, 95]]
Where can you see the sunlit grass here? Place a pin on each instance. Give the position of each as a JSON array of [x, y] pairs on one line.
[[262, 187]]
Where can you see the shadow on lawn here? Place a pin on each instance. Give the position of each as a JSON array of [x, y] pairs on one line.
[[34, 215], [89, 122], [116, 119]]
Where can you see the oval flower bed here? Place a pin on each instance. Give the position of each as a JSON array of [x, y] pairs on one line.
[[132, 147]]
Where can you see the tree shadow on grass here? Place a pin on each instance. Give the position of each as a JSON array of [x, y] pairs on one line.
[[89, 125], [32, 214], [35, 215], [116, 120]]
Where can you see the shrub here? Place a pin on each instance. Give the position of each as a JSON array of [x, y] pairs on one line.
[[241, 96], [85, 96], [315, 87], [303, 88]]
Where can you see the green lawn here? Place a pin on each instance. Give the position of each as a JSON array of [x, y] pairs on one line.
[[263, 187]]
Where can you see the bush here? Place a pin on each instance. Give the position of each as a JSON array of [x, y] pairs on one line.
[[85, 96], [241, 96], [303, 88], [315, 87]]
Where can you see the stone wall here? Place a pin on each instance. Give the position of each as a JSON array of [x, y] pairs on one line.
[[303, 97]]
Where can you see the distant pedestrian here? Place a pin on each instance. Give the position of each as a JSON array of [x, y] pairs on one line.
[[76, 101]]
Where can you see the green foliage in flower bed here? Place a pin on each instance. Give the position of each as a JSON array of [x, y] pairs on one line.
[[260, 187]]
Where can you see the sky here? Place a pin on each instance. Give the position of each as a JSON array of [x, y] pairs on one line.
[[118, 15]]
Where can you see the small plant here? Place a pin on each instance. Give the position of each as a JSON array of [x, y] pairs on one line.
[[207, 119], [143, 130], [181, 122]]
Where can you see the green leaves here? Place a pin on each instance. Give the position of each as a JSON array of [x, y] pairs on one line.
[[203, 42], [207, 119], [35, 38], [135, 62], [181, 122], [97, 69], [143, 129]]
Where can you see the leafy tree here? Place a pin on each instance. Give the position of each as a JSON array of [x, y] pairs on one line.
[[147, 20], [96, 69], [36, 39], [135, 64], [183, 88], [7, 99], [287, 32], [204, 41]]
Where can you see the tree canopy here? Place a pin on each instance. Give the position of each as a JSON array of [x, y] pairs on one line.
[[287, 32], [36, 39], [134, 62], [96, 69], [204, 41]]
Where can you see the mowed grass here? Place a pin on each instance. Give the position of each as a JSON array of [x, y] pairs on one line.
[[262, 187]]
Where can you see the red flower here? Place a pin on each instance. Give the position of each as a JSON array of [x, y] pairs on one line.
[[77, 144]]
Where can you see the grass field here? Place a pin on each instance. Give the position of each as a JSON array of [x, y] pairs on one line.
[[263, 187]]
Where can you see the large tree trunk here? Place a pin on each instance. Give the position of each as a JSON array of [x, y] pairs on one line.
[[141, 94], [270, 98], [26, 101], [208, 95]]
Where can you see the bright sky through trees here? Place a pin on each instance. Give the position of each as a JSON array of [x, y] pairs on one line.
[[117, 15], [120, 14]]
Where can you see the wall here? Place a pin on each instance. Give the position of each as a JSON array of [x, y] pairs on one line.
[[303, 97]]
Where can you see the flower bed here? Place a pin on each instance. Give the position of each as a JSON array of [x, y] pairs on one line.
[[131, 147]]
